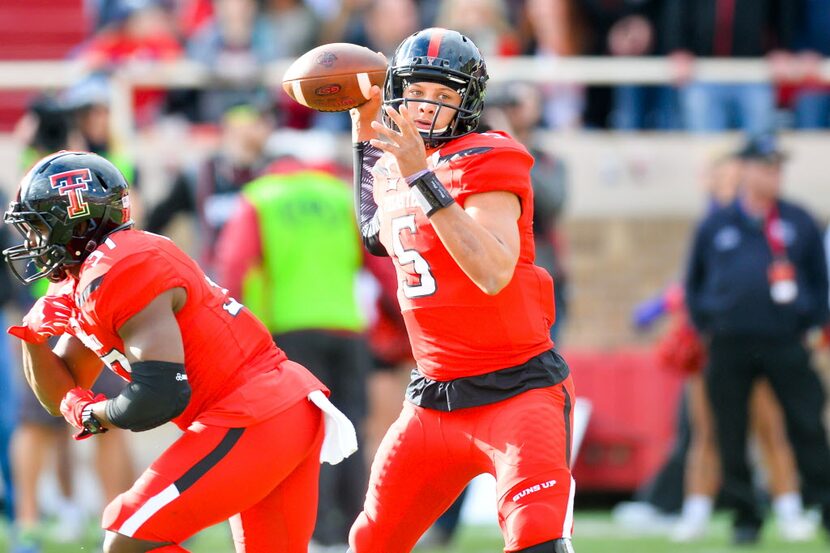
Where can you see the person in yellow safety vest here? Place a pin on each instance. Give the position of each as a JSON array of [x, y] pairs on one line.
[[292, 254]]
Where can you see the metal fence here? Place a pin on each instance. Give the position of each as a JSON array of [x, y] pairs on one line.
[[41, 75]]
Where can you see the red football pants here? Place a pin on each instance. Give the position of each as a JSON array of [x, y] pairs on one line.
[[428, 456], [263, 478]]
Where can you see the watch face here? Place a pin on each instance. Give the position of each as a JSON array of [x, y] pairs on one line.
[[91, 422]]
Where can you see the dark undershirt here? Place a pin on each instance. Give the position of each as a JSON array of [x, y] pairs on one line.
[[544, 370]]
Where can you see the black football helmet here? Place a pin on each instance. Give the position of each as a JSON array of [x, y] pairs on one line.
[[443, 56], [67, 204]]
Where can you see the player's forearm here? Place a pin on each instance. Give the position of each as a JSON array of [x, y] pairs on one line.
[[483, 258], [365, 158], [100, 412], [47, 375]]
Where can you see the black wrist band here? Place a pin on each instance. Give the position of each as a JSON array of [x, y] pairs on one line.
[[431, 194], [91, 422]]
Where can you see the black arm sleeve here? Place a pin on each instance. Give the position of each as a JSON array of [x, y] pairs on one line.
[[158, 392], [365, 157]]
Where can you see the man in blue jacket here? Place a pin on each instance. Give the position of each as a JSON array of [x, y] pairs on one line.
[[756, 283]]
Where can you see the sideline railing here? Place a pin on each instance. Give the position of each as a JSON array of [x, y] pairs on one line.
[[41, 75]]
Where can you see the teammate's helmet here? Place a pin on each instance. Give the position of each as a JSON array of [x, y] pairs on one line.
[[67, 204], [446, 57]]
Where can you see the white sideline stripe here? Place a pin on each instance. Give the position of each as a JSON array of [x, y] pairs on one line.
[[569, 514], [153, 505], [297, 88], [365, 84]]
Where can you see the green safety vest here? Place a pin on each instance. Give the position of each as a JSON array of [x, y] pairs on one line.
[[311, 254]]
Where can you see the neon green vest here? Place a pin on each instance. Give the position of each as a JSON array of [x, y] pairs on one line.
[[310, 254], [123, 164]]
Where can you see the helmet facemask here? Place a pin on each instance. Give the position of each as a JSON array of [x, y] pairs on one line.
[[50, 245], [38, 256], [464, 122]]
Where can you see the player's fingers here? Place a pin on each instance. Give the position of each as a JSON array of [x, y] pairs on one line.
[[48, 330], [394, 115], [55, 324], [59, 319], [406, 123], [53, 328], [383, 145], [385, 132]]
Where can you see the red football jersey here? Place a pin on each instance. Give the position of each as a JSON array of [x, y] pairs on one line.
[[457, 330], [236, 373]]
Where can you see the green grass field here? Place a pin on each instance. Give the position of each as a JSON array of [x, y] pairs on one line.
[[595, 533]]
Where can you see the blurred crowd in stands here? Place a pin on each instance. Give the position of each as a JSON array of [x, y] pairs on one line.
[[235, 39]]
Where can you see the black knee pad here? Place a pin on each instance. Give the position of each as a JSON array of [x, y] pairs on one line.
[[562, 545]]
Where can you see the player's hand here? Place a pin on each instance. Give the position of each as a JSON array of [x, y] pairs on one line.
[[364, 115], [73, 405], [49, 316], [406, 144]]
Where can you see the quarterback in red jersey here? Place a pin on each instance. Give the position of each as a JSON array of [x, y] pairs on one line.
[[253, 422], [453, 208]]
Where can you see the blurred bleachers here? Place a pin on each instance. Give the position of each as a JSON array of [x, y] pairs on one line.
[[41, 29], [36, 30]]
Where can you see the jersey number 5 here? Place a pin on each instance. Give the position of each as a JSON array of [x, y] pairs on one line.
[[426, 286]]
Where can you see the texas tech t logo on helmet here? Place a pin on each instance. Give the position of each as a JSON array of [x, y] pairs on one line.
[[72, 184]]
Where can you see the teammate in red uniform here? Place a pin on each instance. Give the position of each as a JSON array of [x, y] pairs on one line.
[[453, 208], [252, 440]]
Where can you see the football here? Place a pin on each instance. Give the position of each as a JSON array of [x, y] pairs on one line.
[[334, 77]]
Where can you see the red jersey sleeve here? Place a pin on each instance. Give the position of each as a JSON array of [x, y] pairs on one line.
[[127, 287], [500, 169]]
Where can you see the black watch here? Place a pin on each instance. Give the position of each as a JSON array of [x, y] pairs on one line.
[[91, 423]]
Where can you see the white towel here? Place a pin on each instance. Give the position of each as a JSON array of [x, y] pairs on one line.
[[340, 440]]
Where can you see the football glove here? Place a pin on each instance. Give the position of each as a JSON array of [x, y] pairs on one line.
[[49, 316], [75, 408]]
